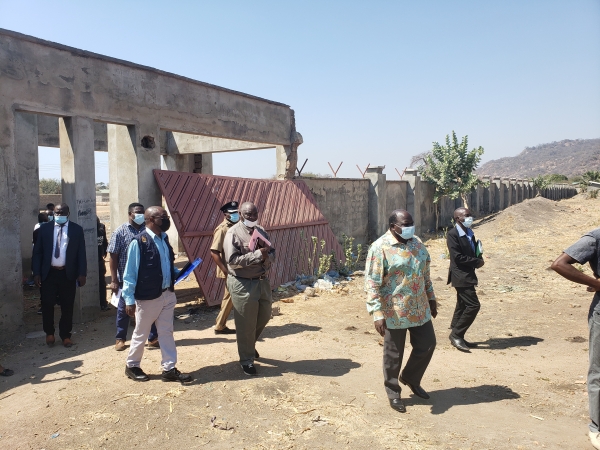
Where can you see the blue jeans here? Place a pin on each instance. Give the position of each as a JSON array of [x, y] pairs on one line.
[[593, 379], [123, 323]]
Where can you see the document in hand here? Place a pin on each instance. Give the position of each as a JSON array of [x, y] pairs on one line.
[[114, 299], [478, 249], [187, 269], [256, 235]]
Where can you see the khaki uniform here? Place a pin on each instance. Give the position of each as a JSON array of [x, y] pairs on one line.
[[217, 245]]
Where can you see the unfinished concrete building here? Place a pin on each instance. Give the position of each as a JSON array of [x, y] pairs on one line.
[[58, 96]]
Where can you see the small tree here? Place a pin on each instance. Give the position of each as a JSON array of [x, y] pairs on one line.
[[50, 186], [451, 169]]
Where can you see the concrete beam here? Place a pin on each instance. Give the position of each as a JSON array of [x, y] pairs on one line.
[[26, 144], [48, 133], [48, 78], [183, 143], [79, 192]]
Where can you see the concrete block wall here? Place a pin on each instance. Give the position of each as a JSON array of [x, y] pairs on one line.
[[354, 206]]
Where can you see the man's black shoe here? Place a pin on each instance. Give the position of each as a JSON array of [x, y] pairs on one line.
[[225, 331], [136, 374], [459, 344], [417, 390], [469, 344], [249, 369], [256, 355], [175, 375], [397, 404]]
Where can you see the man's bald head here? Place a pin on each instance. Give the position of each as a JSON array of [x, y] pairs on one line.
[[398, 216], [461, 213], [154, 211], [249, 212]]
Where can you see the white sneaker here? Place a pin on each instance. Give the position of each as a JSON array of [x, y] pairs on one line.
[[594, 439]]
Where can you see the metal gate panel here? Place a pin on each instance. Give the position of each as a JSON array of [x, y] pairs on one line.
[[287, 210]]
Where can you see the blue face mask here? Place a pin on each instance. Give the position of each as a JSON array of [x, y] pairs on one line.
[[50, 218], [139, 219], [234, 217], [468, 222], [61, 219], [407, 232]]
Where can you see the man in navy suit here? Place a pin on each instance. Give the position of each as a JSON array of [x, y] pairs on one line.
[[463, 262], [59, 264]]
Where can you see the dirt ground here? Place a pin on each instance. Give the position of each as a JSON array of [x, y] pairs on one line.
[[320, 378]]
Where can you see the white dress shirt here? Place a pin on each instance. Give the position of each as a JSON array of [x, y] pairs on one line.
[[60, 261]]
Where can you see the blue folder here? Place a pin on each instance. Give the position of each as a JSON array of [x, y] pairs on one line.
[[188, 268]]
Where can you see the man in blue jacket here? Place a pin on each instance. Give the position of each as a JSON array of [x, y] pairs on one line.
[[59, 264], [148, 291]]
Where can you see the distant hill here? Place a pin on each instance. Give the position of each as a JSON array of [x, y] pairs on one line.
[[568, 157]]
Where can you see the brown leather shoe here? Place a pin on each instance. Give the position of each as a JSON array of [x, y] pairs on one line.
[[154, 343], [49, 339], [67, 342], [120, 345]]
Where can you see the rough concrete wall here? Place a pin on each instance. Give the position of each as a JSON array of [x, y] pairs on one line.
[[49, 198], [344, 203], [427, 207], [396, 195]]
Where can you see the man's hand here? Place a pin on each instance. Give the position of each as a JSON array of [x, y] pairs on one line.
[[481, 263], [595, 288], [81, 280], [264, 252], [37, 280], [114, 287], [130, 310], [433, 307], [380, 326]]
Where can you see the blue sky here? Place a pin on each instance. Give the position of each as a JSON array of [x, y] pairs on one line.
[[371, 82]]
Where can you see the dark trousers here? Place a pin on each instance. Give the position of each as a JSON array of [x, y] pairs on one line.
[[467, 307], [422, 341], [55, 287], [102, 283], [123, 323]]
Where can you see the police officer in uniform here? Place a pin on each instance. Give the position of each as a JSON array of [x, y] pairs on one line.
[[232, 216]]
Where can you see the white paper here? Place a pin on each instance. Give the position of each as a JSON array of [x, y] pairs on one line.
[[114, 299]]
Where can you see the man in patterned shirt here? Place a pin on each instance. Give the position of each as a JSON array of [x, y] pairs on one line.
[[400, 297], [119, 241]]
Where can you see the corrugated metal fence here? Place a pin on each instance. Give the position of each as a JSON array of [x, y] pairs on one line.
[[287, 210]]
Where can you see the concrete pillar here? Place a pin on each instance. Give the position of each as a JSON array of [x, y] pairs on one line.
[[11, 301], [286, 162], [506, 189], [203, 163], [26, 146], [76, 136], [377, 203], [479, 196], [498, 191], [413, 197], [492, 192], [133, 152]]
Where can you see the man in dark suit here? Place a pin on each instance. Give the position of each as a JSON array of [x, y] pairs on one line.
[[59, 264], [462, 246]]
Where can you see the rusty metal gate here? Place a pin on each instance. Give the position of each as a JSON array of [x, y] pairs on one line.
[[287, 210]]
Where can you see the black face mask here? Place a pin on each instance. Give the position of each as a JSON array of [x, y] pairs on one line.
[[165, 224]]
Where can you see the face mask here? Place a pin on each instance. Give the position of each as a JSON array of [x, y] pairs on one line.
[[407, 232], [165, 224], [61, 220], [234, 217], [250, 224], [50, 218], [468, 222], [139, 219]]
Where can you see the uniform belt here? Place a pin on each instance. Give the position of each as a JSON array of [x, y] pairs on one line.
[[262, 277], [58, 267]]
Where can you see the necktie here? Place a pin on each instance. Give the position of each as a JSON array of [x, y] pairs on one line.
[[58, 241]]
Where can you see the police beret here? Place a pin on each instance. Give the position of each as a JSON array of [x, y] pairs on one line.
[[230, 207]]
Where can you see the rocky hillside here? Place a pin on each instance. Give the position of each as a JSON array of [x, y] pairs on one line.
[[568, 157]]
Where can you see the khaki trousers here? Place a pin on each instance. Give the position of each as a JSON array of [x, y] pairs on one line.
[[251, 311], [226, 307]]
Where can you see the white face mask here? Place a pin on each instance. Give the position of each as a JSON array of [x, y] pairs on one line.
[[468, 222], [407, 232], [250, 224]]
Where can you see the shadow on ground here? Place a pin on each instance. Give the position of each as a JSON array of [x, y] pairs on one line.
[[441, 401], [335, 367], [509, 342]]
